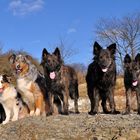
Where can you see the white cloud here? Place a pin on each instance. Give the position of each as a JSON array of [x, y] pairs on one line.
[[71, 30], [24, 7]]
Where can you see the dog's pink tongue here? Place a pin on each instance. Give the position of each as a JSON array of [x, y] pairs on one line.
[[104, 70], [135, 83], [52, 75], [1, 90]]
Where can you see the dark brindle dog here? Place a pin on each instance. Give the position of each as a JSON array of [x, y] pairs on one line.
[[61, 80], [136, 78], [128, 79], [101, 78]]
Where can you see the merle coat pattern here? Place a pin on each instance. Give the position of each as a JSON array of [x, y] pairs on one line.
[[61, 80], [101, 78], [31, 84], [136, 78]]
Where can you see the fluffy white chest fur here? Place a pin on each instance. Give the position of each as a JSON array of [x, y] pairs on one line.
[[28, 96], [23, 86], [8, 98], [8, 93]]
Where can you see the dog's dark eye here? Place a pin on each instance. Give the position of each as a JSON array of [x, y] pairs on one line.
[[23, 61], [2, 82], [101, 57]]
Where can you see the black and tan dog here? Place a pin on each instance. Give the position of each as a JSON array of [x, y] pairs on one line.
[[128, 80], [61, 79], [30, 83], [136, 78], [101, 78]]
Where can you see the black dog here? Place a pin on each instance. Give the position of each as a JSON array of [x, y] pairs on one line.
[[128, 79], [2, 114], [136, 78], [101, 78], [61, 79]]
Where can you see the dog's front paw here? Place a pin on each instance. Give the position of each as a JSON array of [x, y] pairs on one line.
[[5, 122], [32, 112], [37, 112], [65, 113], [92, 112], [14, 119]]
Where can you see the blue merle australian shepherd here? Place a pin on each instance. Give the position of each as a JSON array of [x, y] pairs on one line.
[[31, 84]]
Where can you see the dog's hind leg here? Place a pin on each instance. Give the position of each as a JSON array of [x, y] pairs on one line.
[[76, 105], [138, 100], [74, 94]]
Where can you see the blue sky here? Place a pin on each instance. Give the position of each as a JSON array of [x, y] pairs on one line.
[[32, 25]]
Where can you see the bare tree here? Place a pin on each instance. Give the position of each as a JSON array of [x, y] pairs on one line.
[[125, 32], [66, 50], [1, 47]]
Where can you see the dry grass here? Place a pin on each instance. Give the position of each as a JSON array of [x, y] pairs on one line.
[[120, 98], [119, 88]]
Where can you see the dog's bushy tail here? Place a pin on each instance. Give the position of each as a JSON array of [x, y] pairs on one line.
[[73, 90]]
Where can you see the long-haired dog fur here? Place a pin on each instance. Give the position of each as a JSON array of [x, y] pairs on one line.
[[9, 99], [61, 80], [136, 78], [31, 84], [101, 78], [128, 80]]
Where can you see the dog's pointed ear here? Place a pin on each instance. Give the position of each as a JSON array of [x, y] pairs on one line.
[[96, 48], [127, 58], [137, 58], [28, 57], [112, 48], [44, 53], [12, 58], [57, 53]]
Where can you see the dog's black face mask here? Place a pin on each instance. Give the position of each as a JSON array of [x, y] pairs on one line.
[[51, 62], [104, 57]]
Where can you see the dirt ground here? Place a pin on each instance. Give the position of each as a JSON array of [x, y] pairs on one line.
[[78, 126], [74, 127]]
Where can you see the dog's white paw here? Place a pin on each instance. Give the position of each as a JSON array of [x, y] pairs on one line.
[[14, 119], [5, 122], [32, 113], [37, 112]]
